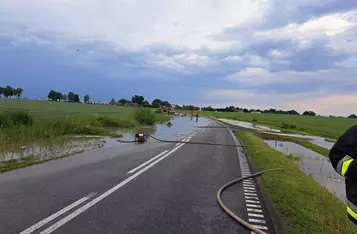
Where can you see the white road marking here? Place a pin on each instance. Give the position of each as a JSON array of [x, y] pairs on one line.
[[57, 214], [147, 162], [249, 191], [248, 186], [254, 210], [252, 205], [255, 215], [260, 227], [105, 194], [247, 182], [256, 221], [250, 194], [251, 201]]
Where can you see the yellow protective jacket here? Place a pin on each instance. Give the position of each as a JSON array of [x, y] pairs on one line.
[[343, 157]]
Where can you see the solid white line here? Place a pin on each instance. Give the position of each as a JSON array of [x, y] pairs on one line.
[[255, 206], [255, 215], [254, 210], [181, 142], [260, 227], [104, 195], [251, 201], [147, 162], [256, 221], [57, 214]]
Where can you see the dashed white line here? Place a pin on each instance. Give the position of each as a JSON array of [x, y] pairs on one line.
[[251, 201], [252, 205], [256, 221], [105, 194], [260, 227], [254, 210], [255, 215], [250, 194], [57, 214]]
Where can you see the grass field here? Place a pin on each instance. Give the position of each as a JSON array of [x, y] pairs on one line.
[[320, 126], [25, 121], [304, 205], [51, 110]]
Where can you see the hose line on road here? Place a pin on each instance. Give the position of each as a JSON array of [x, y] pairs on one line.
[[229, 212]]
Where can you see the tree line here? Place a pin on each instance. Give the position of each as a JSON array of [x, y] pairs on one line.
[[9, 91], [245, 110], [140, 101], [70, 97]]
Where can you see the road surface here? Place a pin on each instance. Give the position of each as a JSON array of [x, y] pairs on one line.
[[153, 188]]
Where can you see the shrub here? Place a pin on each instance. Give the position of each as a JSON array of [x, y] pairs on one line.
[[145, 116], [15, 118]]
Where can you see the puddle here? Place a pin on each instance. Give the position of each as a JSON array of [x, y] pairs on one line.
[[314, 165], [249, 125], [181, 125], [320, 141], [53, 150]]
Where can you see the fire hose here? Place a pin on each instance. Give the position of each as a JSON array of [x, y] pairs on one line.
[[227, 185]]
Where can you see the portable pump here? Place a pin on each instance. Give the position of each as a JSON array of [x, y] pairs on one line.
[[140, 137]]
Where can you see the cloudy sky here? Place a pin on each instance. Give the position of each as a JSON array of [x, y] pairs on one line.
[[284, 54]]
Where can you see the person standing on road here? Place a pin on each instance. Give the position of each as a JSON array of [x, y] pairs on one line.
[[343, 155]]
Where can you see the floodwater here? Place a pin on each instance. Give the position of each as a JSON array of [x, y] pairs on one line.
[[315, 165], [320, 141], [53, 150], [181, 126], [249, 125]]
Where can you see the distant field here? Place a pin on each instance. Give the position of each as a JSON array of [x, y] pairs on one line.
[[51, 110], [321, 126]]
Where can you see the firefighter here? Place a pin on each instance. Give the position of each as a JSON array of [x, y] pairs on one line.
[[343, 155]]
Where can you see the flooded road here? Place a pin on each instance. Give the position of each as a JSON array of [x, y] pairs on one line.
[[181, 125], [320, 141], [313, 164], [77, 144]]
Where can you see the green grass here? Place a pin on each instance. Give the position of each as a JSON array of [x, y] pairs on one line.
[[304, 205], [300, 141], [25, 121], [320, 126]]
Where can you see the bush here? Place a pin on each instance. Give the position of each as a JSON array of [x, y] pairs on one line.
[[288, 126], [7, 119], [145, 116], [158, 111], [254, 120]]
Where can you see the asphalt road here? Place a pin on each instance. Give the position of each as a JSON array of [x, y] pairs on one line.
[[103, 191]]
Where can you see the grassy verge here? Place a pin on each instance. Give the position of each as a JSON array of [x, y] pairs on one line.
[[300, 141], [305, 206], [309, 125]]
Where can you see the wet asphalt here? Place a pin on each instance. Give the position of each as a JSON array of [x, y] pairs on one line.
[[176, 195]]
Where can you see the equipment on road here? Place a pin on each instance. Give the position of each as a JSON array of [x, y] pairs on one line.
[[228, 211], [224, 187], [140, 137], [343, 155]]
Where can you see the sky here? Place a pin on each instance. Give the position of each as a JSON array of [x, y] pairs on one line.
[[283, 54]]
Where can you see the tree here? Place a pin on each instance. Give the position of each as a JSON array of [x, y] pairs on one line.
[[156, 103], [8, 91], [65, 98], [353, 116], [123, 101], [76, 98], [146, 104], [137, 99], [166, 103], [1, 91], [52, 95], [112, 101], [70, 97], [59, 96], [86, 98], [310, 113], [19, 92]]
